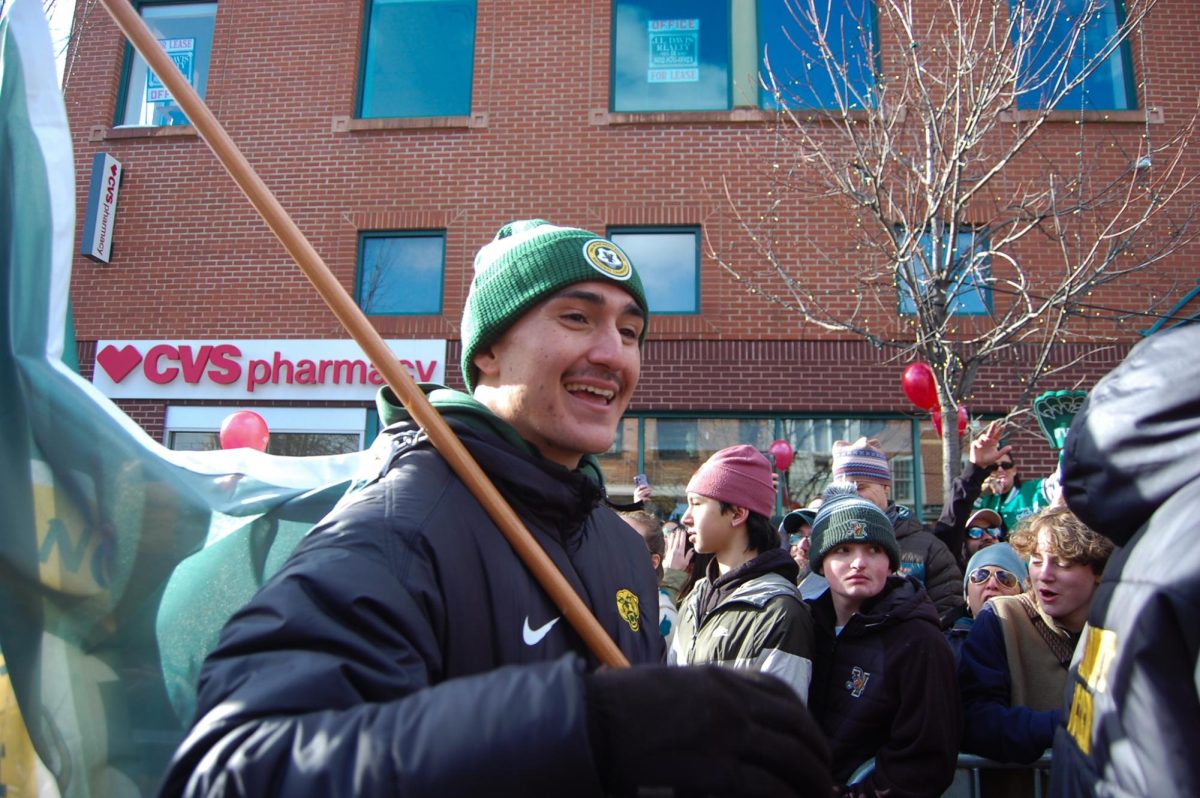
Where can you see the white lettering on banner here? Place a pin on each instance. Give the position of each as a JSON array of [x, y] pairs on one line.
[[262, 369]]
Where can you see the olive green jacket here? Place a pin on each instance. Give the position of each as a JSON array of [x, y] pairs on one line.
[[763, 625]]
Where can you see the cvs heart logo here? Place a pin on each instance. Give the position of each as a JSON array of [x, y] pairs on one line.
[[119, 362]]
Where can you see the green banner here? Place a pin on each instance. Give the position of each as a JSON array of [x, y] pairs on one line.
[[120, 560]]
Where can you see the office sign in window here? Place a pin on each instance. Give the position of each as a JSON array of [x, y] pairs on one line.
[[183, 53], [674, 51], [661, 62]]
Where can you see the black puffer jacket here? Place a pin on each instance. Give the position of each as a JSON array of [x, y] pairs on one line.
[[405, 650], [925, 557], [1131, 472], [885, 688]]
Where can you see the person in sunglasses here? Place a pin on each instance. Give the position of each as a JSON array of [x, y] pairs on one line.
[[994, 570], [984, 528], [1007, 494], [1013, 665]]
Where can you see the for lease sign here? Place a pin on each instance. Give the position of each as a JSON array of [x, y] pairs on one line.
[[262, 370]]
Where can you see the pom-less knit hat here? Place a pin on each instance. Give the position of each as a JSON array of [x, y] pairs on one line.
[[738, 475], [861, 461], [998, 555], [845, 517], [526, 263]]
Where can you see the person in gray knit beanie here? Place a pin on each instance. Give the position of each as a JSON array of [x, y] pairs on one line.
[[845, 517]]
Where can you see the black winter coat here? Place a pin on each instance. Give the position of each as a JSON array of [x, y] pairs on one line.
[[405, 650], [1131, 472], [924, 556], [885, 688]]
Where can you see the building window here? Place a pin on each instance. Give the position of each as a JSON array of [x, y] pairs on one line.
[[294, 431], [669, 56], [709, 57], [401, 273], [838, 75], [668, 263], [185, 30], [418, 58], [967, 292], [1060, 44]]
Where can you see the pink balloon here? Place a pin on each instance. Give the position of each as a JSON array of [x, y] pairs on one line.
[[244, 429], [781, 450], [919, 385]]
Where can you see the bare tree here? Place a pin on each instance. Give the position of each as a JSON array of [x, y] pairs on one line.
[[948, 157]]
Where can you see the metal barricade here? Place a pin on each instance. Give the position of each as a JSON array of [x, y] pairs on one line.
[[968, 778]]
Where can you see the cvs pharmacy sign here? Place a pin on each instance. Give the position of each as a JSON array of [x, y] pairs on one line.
[[255, 369]]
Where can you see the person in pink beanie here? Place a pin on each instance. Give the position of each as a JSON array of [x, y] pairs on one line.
[[746, 612]]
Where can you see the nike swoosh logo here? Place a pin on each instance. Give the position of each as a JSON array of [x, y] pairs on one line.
[[534, 636]]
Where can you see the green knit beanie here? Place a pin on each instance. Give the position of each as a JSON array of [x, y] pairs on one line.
[[527, 262], [845, 517]]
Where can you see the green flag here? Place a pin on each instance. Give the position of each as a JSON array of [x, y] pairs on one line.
[[120, 560]]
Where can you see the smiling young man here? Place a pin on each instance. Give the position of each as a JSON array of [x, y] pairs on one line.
[[1013, 665], [404, 649], [883, 681]]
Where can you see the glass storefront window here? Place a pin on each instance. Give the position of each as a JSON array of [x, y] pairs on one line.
[[675, 447], [289, 444], [294, 431], [620, 462], [672, 448], [812, 442]]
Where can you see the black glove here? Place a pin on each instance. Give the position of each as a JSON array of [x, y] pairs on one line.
[[703, 729]]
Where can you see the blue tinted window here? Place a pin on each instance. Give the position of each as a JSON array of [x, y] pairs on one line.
[[968, 294], [671, 56], [806, 74], [1059, 50], [401, 273], [185, 30], [668, 263], [418, 58]]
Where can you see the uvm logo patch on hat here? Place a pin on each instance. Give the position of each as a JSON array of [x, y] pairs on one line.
[[607, 258]]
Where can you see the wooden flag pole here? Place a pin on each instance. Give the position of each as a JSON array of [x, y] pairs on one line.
[[360, 329]]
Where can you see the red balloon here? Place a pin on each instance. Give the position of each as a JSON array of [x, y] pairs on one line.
[[936, 417], [781, 450], [244, 429], [919, 385]]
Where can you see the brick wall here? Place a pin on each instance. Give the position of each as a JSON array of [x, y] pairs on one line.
[[193, 260]]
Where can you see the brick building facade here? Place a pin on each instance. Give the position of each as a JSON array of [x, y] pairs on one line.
[[544, 138]]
